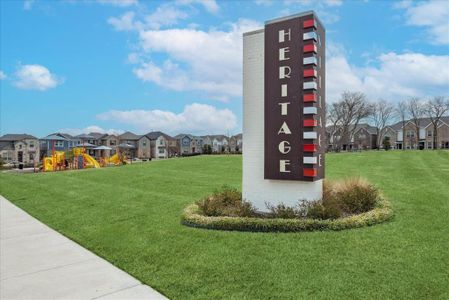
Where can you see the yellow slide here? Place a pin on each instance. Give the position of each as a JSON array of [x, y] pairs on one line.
[[48, 164], [114, 159], [56, 160], [90, 161]]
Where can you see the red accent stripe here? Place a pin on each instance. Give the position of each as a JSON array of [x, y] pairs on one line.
[[310, 148], [308, 23], [310, 123], [309, 48], [309, 73], [310, 172], [309, 98]]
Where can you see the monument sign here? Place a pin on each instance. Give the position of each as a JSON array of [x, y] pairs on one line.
[[284, 111]]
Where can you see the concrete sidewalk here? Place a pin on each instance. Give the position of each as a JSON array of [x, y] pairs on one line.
[[36, 262]]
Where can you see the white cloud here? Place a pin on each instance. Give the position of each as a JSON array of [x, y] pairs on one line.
[[433, 15], [208, 61], [210, 5], [125, 22], [164, 15], [35, 77], [120, 3], [89, 129], [28, 4], [396, 76], [2, 75], [195, 118]]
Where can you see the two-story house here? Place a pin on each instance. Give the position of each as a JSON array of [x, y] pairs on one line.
[[128, 143], [57, 142], [20, 148], [236, 143], [162, 145], [362, 137], [408, 137], [189, 144], [219, 143]]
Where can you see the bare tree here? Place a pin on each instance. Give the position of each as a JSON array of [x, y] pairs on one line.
[[435, 109], [334, 117], [415, 109], [354, 108], [382, 113], [401, 111]]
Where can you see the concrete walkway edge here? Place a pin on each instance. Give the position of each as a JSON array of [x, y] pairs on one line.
[[36, 262]]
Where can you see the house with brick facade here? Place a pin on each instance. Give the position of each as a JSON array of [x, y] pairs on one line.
[[408, 137], [364, 137]]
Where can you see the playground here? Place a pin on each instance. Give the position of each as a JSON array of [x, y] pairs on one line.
[[78, 158]]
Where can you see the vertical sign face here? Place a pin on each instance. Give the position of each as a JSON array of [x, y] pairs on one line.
[[294, 99]]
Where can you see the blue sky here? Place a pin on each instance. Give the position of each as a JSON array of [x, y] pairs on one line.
[[112, 65]]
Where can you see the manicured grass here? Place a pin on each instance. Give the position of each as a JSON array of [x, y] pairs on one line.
[[131, 216]]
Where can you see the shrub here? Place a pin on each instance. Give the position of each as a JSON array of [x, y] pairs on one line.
[[341, 198], [194, 217], [226, 202], [355, 195], [323, 210], [282, 211]]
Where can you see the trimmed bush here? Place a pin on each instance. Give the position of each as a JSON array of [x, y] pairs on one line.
[[345, 204], [193, 217]]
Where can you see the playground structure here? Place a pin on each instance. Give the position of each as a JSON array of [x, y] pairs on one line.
[[78, 158], [116, 159]]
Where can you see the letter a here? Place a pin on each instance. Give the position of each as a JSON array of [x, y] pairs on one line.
[[284, 129]]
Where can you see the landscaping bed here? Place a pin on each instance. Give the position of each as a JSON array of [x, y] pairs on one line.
[[345, 204]]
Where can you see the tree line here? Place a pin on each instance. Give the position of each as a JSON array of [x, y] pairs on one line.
[[344, 116]]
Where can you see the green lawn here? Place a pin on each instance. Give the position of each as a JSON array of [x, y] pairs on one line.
[[131, 216]]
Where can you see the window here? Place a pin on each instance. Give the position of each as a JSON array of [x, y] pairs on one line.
[[161, 150], [31, 145], [112, 142], [429, 145], [31, 156], [144, 143], [59, 144], [20, 146], [429, 133]]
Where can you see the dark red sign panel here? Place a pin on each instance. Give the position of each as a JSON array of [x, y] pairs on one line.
[[295, 99]]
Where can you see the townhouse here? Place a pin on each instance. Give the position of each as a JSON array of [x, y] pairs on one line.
[[363, 137], [408, 137], [189, 144], [19, 148], [162, 145], [236, 143]]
